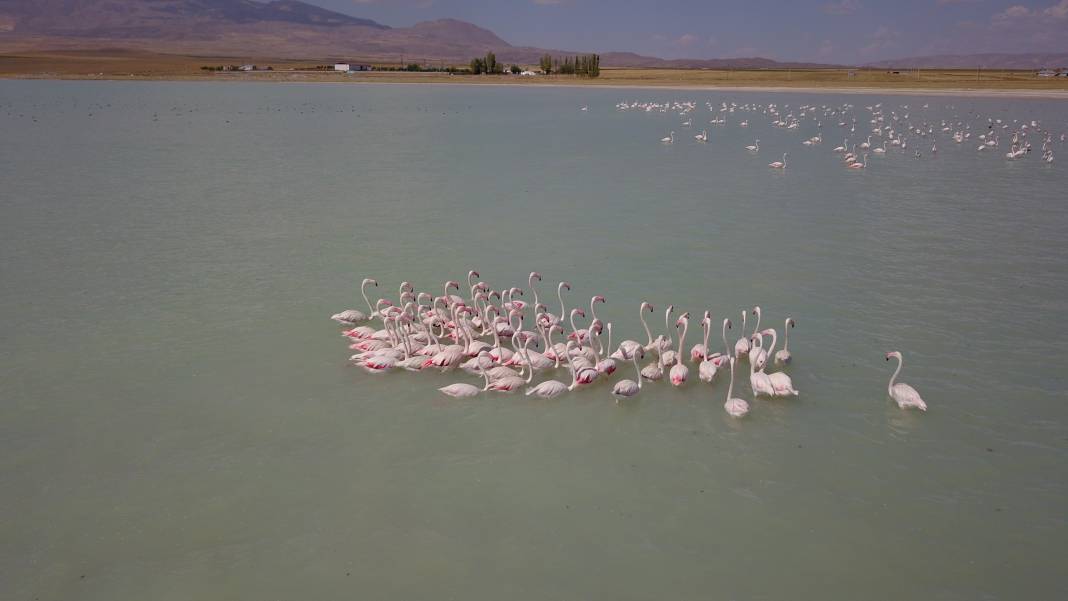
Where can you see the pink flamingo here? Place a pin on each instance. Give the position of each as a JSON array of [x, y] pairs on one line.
[[679, 372], [699, 351], [708, 368]]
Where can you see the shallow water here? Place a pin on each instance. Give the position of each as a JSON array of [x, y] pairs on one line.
[[179, 421]]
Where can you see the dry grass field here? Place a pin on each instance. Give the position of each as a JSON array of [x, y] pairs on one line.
[[137, 65]]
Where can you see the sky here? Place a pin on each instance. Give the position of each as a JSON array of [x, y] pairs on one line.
[[834, 31]]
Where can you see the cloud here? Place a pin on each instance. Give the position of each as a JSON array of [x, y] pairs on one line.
[[687, 39], [841, 7], [1057, 11], [1017, 13]]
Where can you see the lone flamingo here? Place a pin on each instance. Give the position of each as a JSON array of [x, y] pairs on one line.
[[905, 395]]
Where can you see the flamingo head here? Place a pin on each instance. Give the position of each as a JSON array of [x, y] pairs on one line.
[[790, 322], [541, 308], [369, 281], [495, 293], [535, 276], [894, 355], [597, 299], [578, 311], [452, 284], [728, 323], [756, 310], [406, 287], [565, 286], [647, 305]]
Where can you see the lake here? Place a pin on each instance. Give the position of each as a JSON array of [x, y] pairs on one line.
[[180, 420]]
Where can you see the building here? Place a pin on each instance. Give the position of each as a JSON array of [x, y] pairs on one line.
[[1047, 73], [350, 67], [248, 67]]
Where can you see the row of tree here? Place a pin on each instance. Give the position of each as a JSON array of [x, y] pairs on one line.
[[488, 64], [585, 65]]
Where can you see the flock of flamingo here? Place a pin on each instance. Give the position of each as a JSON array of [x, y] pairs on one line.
[[505, 342], [891, 128]]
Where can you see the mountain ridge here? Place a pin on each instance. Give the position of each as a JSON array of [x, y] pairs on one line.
[[279, 29]]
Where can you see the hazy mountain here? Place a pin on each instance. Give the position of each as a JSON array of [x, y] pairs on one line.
[[275, 29], [972, 61]]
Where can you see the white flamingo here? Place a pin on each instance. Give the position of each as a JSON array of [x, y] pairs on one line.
[[779, 164], [905, 395], [628, 388], [734, 407], [784, 357]]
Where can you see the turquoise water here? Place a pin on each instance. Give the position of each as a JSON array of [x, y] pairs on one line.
[[179, 420]]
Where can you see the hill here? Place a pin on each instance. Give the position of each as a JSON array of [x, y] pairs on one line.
[[277, 29]]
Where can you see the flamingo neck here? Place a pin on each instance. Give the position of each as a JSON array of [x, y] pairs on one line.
[[363, 292], [648, 334], [890, 386]]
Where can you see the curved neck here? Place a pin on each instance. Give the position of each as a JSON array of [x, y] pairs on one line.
[[363, 292], [726, 346], [890, 386], [730, 388], [530, 282], [648, 334], [637, 370], [560, 295]]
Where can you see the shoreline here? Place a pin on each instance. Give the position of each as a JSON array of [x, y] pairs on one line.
[[284, 78]]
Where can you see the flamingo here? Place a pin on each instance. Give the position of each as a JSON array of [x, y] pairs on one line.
[[668, 140], [779, 164], [699, 351], [754, 147], [859, 164], [781, 384], [760, 382], [784, 357], [741, 347], [708, 368], [905, 395], [628, 388], [734, 407], [351, 317], [628, 346], [679, 372]]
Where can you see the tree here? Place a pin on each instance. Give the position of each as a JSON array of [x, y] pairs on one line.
[[477, 66], [490, 63], [515, 70], [546, 64]]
